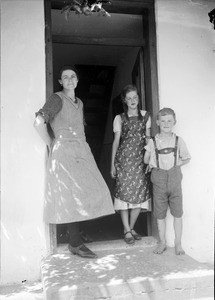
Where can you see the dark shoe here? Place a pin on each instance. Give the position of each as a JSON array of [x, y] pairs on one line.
[[85, 237], [82, 251], [136, 235], [128, 240]]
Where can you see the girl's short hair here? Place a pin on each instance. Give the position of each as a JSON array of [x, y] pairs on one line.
[[64, 68], [166, 111]]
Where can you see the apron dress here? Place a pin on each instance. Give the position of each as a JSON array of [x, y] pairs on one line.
[[75, 188], [132, 184]]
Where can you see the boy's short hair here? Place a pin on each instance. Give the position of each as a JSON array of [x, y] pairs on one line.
[[166, 111]]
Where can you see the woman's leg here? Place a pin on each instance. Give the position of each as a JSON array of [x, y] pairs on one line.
[[76, 245], [75, 239]]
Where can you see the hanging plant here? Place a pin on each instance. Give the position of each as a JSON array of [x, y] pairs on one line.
[[84, 7]]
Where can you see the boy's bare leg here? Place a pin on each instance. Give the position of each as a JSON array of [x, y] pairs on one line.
[[178, 234], [162, 235]]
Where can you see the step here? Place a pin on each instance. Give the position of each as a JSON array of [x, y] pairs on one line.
[[126, 272]]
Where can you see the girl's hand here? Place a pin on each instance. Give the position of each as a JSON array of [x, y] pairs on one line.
[[113, 172]]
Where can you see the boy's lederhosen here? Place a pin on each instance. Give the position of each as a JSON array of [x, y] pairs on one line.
[[167, 185]]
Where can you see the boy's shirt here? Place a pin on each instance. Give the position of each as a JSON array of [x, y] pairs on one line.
[[166, 161]]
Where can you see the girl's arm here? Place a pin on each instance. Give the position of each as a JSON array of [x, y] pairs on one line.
[[146, 157], [114, 150], [40, 126], [148, 129]]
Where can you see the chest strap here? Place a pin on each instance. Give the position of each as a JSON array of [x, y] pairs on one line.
[[166, 151]]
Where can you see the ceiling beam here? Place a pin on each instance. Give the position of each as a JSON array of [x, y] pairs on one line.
[[66, 39]]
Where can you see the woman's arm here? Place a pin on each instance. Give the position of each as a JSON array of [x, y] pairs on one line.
[[114, 150], [40, 126]]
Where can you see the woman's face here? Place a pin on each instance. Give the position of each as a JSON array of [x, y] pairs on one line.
[[132, 99], [69, 79]]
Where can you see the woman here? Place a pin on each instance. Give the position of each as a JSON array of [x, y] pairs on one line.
[[75, 189]]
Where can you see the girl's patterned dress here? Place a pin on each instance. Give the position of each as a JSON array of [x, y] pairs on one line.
[[132, 186]]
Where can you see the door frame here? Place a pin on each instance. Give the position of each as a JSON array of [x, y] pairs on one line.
[[140, 7]]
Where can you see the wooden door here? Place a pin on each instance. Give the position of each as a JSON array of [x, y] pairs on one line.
[[138, 78]]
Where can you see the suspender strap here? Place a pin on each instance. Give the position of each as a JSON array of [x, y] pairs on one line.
[[175, 150], [166, 151], [156, 151]]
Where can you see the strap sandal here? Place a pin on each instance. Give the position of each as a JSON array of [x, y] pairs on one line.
[[129, 240], [136, 236]]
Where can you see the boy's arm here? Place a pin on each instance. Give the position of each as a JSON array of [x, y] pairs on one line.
[[184, 161], [184, 155]]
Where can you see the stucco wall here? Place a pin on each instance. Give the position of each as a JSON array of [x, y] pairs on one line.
[[22, 151], [186, 66]]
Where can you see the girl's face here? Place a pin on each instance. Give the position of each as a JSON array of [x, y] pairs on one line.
[[69, 80], [166, 123], [132, 99]]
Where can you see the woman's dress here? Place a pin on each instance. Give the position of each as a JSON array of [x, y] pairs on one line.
[[132, 184], [75, 189]]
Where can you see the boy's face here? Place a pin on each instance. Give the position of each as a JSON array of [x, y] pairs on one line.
[[166, 123]]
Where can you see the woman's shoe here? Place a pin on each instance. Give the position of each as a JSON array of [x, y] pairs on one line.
[[82, 251], [85, 237], [136, 235], [129, 240]]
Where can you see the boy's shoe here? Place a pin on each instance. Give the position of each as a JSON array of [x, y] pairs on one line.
[[82, 251]]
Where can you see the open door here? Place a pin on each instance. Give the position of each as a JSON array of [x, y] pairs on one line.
[[144, 73], [138, 78]]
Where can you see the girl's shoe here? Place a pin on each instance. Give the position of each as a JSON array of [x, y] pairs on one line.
[[136, 235], [129, 240]]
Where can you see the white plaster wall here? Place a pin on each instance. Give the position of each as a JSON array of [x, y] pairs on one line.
[[186, 73], [22, 151]]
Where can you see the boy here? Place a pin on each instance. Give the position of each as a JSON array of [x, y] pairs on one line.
[[165, 154]]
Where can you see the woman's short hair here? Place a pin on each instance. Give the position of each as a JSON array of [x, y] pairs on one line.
[[64, 68]]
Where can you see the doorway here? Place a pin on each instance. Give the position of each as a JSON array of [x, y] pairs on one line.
[[116, 54]]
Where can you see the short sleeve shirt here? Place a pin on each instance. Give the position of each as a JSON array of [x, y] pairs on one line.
[[52, 106], [117, 123], [166, 161]]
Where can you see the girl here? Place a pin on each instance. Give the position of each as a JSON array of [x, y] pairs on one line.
[[75, 189], [131, 129]]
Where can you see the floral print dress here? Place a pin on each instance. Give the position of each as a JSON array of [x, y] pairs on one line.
[[131, 188]]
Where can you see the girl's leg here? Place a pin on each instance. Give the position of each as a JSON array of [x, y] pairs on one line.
[[162, 235], [125, 220], [178, 234], [128, 237], [133, 216]]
